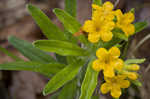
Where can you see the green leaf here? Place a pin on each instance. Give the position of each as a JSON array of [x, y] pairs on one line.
[[71, 59], [62, 77], [139, 26], [50, 30], [118, 33], [134, 61], [29, 51], [89, 82], [108, 45], [137, 83], [121, 36], [10, 54], [71, 7], [46, 69], [55, 95], [97, 2], [70, 88], [60, 47], [70, 23]]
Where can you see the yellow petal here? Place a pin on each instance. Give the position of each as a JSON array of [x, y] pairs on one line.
[[106, 36], [119, 15], [121, 77], [102, 53], [93, 38], [105, 88], [116, 92], [88, 26], [118, 64], [96, 65], [129, 17], [108, 6], [108, 25], [128, 29], [109, 71], [124, 83], [114, 52], [109, 17]]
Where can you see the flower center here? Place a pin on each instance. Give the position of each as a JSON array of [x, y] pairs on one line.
[[107, 60], [97, 29]]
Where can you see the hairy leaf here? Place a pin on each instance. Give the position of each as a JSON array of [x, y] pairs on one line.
[[60, 47], [70, 23], [71, 7], [50, 30], [70, 88], [89, 83], [62, 77], [46, 69], [29, 51]]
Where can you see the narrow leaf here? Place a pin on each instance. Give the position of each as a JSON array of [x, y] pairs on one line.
[[62, 77], [50, 30], [70, 88], [60, 47], [10, 54], [70, 23], [29, 51], [97, 2], [46, 69], [134, 61], [89, 82], [71, 7], [139, 26]]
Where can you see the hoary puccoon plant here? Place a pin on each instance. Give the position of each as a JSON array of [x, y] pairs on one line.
[[89, 60]]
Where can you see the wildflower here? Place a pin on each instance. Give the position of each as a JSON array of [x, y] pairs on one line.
[[114, 85], [108, 61], [101, 24], [129, 71], [124, 21], [104, 12]]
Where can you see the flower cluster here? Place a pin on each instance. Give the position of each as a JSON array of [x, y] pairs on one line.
[[116, 73], [104, 20]]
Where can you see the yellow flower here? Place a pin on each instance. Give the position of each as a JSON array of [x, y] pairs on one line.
[[98, 30], [130, 71], [101, 24], [114, 85], [124, 21], [108, 61], [104, 12]]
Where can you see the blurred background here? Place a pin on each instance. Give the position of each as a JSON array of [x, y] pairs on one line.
[[15, 20]]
